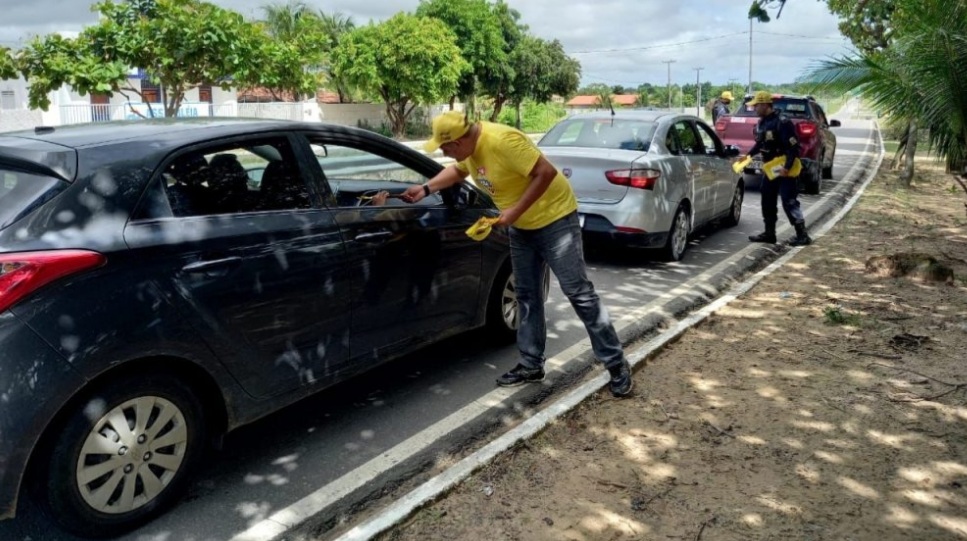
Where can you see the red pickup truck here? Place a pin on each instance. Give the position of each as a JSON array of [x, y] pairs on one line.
[[817, 141]]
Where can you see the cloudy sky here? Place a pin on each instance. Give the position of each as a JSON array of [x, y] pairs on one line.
[[617, 41]]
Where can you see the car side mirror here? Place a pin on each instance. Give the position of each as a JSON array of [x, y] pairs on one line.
[[731, 151], [835, 124]]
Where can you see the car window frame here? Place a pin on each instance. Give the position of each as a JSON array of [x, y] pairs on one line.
[[719, 146], [379, 146], [156, 180], [690, 124]]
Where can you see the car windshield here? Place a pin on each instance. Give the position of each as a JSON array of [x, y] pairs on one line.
[[22, 192], [617, 134], [791, 108]]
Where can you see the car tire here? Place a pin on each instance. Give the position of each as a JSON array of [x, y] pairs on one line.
[[813, 183], [503, 310], [828, 171], [677, 241], [148, 463], [735, 211]]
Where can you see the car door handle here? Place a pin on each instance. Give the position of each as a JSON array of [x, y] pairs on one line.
[[212, 265], [373, 237]]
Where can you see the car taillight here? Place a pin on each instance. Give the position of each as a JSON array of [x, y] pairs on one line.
[[644, 179], [806, 129], [23, 273], [720, 125]]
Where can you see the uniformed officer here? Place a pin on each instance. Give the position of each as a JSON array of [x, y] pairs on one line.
[[775, 136], [721, 106]]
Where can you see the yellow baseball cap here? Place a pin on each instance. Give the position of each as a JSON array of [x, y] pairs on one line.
[[762, 96], [726, 95], [447, 127]]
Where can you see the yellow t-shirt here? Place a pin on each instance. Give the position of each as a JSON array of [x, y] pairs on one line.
[[501, 164]]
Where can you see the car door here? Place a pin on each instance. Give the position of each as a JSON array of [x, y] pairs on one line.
[[258, 268], [415, 274], [719, 168], [700, 177]]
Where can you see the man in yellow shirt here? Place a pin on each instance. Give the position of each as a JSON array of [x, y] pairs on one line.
[[540, 209]]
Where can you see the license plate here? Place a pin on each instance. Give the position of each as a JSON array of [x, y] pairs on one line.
[[581, 220]]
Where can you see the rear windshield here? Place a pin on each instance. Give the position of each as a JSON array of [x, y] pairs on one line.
[[790, 108], [21, 193], [614, 134]]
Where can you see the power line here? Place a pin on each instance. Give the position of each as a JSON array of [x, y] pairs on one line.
[[826, 38]]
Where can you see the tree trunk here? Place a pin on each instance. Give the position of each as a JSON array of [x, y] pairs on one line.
[[498, 107], [453, 100], [907, 175], [900, 149], [517, 105]]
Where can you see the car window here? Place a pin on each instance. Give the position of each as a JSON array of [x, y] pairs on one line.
[[354, 174], [820, 114], [251, 176], [22, 192], [793, 108], [688, 138], [709, 140], [616, 134]]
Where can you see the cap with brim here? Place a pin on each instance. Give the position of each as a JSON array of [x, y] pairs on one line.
[[447, 127], [760, 97]]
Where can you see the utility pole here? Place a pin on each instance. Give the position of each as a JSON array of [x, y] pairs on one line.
[[698, 91], [750, 55], [669, 63]]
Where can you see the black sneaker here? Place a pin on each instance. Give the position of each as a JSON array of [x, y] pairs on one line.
[[520, 374], [621, 380], [766, 237]]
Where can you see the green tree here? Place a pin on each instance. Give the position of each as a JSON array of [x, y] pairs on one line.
[[920, 78], [498, 83], [179, 43], [8, 66], [479, 36], [867, 23], [407, 60], [296, 51], [286, 21], [335, 25], [542, 70]]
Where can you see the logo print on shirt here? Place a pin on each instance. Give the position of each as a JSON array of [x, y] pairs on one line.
[[482, 179]]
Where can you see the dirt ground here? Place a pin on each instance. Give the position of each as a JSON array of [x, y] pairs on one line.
[[826, 404]]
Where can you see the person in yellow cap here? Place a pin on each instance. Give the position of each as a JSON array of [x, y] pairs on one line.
[[721, 106], [775, 136], [539, 207]]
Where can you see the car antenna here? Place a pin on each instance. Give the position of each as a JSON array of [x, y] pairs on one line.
[[611, 106]]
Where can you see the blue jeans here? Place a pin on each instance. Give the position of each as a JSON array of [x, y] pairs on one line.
[[559, 245], [787, 189]]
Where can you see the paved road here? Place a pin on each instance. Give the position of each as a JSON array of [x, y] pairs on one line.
[[322, 457]]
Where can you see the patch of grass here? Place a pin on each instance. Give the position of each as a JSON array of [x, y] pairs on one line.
[[835, 315], [892, 146]]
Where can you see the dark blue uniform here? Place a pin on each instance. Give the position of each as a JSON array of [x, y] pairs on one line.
[[775, 135]]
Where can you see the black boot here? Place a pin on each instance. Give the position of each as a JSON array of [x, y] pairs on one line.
[[802, 237], [767, 236]]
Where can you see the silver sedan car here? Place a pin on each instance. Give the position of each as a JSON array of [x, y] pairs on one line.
[[646, 178]]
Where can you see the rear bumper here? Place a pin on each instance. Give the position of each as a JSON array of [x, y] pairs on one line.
[[34, 380], [599, 229]]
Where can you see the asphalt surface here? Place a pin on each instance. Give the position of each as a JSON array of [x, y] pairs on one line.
[[307, 468]]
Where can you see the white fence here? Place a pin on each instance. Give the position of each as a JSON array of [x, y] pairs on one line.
[[348, 114]]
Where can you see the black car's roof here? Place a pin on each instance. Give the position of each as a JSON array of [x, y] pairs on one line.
[[176, 130]]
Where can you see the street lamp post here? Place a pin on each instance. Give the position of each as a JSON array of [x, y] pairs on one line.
[[698, 91]]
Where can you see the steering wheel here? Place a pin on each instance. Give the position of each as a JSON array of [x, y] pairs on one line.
[[366, 198]]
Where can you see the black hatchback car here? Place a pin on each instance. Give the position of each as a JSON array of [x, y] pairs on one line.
[[164, 282]]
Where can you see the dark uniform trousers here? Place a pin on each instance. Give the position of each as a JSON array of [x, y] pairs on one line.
[[776, 136]]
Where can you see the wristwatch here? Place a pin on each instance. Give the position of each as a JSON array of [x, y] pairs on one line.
[[426, 190]]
